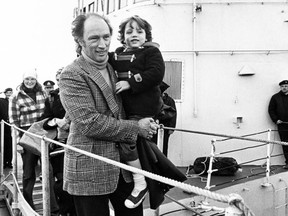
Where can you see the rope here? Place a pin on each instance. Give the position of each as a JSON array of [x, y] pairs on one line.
[[238, 202], [186, 187], [181, 185]]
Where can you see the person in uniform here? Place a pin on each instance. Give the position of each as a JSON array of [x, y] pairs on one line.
[[48, 86], [278, 111]]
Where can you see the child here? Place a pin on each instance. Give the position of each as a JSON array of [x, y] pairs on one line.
[[140, 69]]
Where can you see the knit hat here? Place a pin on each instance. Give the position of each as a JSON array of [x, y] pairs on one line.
[[30, 73]]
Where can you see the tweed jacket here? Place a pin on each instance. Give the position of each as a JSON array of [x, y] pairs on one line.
[[97, 126]]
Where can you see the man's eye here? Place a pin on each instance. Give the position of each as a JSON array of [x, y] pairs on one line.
[[107, 37], [94, 38]]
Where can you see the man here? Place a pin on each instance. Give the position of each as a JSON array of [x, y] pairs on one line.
[[48, 86], [4, 104], [169, 122], [87, 92], [278, 111]]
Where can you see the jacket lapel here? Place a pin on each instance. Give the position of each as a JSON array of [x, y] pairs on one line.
[[108, 93]]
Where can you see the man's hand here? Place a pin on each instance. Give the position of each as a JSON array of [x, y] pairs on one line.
[[122, 86], [62, 123], [148, 127]]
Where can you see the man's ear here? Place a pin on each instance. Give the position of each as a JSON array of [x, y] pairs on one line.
[[81, 42]]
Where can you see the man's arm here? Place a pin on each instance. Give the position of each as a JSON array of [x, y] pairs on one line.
[[272, 110], [88, 109]]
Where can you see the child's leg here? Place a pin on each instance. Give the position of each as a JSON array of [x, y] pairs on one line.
[[139, 180], [140, 187]]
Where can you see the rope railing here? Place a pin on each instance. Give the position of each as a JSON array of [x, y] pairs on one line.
[[228, 136], [231, 199]]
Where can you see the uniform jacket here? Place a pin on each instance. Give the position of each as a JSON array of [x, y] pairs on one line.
[[4, 104], [4, 109], [96, 126], [53, 109], [278, 107], [144, 70]]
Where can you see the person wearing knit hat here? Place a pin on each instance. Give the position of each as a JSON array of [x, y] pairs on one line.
[[30, 73], [26, 108]]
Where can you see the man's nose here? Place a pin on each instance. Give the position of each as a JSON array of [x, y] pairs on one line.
[[102, 43]]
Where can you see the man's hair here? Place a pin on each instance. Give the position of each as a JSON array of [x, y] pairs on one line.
[[59, 71], [78, 28], [142, 24]]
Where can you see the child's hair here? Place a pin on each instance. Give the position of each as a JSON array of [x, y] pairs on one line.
[[142, 24]]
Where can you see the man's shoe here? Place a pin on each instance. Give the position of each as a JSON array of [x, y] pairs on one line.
[[285, 167], [136, 198]]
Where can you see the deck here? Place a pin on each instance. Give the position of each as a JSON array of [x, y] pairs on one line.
[[223, 184]]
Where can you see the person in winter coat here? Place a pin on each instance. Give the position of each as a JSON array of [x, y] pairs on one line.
[[26, 108], [140, 69], [4, 105], [278, 111]]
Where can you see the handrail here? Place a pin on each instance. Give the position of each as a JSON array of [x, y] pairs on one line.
[[228, 136], [231, 199]]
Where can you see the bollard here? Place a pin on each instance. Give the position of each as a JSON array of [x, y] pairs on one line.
[[233, 211]]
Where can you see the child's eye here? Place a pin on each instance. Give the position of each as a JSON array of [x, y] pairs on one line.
[[128, 32]]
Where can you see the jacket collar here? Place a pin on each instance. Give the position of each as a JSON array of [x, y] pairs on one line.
[[109, 94]]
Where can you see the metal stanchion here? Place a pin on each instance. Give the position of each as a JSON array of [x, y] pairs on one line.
[[15, 207], [268, 164], [45, 178], [210, 170], [2, 152], [160, 138]]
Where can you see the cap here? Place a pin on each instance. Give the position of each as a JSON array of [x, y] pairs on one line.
[[31, 73], [283, 82], [8, 89], [48, 83]]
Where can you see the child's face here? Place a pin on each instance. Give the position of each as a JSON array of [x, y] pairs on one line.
[[134, 35]]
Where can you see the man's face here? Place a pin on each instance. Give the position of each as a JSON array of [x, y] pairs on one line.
[[284, 88], [48, 89], [96, 39], [8, 94]]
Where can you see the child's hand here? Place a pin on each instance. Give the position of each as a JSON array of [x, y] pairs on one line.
[[122, 86]]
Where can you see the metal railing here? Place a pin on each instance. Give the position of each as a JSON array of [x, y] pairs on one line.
[[186, 187]]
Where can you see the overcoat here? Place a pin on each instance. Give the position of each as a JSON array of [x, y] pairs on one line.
[[96, 126], [154, 161]]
